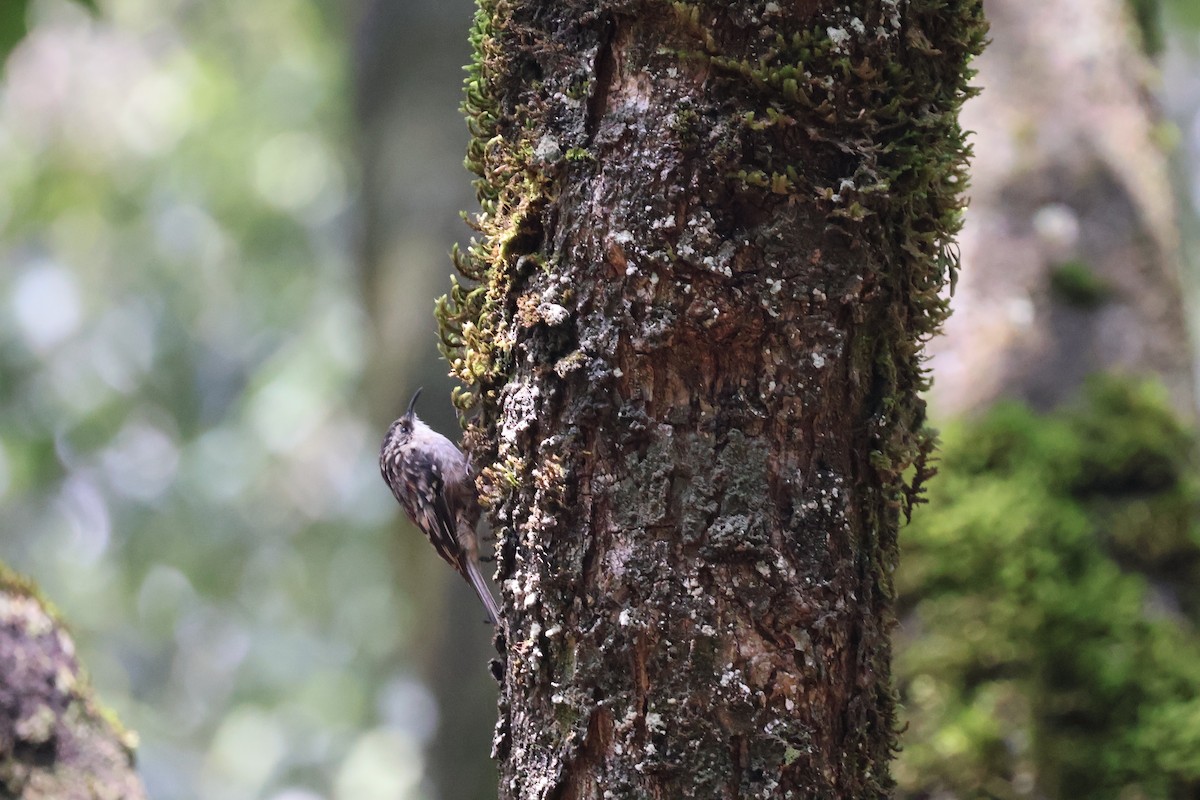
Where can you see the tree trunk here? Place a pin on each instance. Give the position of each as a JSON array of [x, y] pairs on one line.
[[54, 740], [713, 237]]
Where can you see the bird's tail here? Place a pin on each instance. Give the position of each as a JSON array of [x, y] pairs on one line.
[[481, 588]]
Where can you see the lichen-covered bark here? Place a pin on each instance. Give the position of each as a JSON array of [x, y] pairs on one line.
[[1071, 245], [712, 241], [55, 743]]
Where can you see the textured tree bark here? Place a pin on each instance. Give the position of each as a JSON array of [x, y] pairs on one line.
[[54, 741], [1071, 243], [713, 239]]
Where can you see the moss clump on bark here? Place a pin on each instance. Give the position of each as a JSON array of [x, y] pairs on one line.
[[17, 585], [1053, 585], [512, 165]]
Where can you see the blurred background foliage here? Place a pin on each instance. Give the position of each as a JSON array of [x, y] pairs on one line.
[[1049, 598], [187, 464], [222, 226]]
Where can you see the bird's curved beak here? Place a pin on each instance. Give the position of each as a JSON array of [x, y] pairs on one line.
[[412, 404]]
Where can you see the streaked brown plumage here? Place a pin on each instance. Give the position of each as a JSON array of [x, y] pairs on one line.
[[431, 478]]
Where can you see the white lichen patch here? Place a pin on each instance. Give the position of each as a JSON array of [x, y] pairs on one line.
[[547, 150], [567, 100], [1020, 311], [553, 314], [617, 558], [524, 592], [838, 37], [530, 645], [520, 411], [893, 15], [65, 681]]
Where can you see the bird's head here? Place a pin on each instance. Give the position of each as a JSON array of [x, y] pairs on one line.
[[402, 429]]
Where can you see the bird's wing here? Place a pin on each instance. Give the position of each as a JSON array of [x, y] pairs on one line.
[[443, 532], [439, 520]]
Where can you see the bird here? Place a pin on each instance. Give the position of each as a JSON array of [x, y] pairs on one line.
[[432, 480]]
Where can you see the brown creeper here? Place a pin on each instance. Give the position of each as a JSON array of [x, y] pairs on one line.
[[432, 480]]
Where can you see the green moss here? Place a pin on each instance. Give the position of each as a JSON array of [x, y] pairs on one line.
[[466, 325], [476, 331], [1076, 284], [687, 125], [14, 583], [1051, 576], [1147, 15]]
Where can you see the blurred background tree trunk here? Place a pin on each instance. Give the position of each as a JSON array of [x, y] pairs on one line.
[[408, 73], [712, 242], [55, 738], [1048, 593], [1071, 245]]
